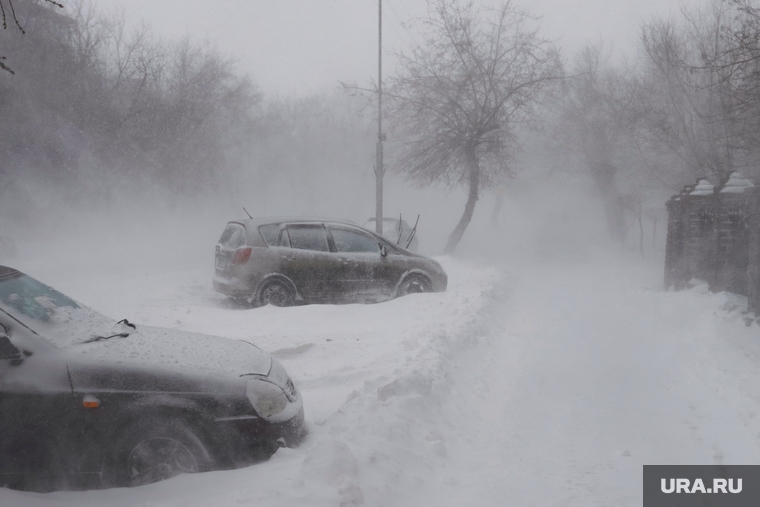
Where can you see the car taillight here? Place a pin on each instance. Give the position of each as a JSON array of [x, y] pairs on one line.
[[242, 255]]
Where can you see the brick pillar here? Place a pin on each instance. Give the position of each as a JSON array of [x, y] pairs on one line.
[[674, 246], [699, 237], [733, 225], [753, 254], [731, 255]]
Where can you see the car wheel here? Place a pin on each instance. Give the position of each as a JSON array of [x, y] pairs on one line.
[[414, 284], [154, 449], [276, 293]]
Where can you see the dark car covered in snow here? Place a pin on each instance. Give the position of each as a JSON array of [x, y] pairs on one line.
[[86, 401], [282, 261]]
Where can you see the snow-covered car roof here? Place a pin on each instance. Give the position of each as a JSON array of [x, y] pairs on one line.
[[258, 221], [252, 225]]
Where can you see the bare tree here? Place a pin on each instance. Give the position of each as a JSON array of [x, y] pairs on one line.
[[458, 98], [594, 125], [691, 113], [93, 100], [8, 10], [736, 64]]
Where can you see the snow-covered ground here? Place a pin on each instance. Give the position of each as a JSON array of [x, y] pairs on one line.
[[523, 384]]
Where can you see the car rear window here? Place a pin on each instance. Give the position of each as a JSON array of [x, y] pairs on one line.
[[233, 236], [270, 232]]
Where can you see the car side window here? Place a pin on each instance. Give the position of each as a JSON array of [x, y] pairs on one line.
[[270, 232], [308, 237], [351, 241], [389, 247]]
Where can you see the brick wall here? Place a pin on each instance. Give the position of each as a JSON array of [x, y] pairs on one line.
[[714, 235]]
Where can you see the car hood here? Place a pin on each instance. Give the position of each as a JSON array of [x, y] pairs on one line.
[[159, 359]]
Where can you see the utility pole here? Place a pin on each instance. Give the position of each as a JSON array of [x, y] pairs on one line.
[[379, 169]]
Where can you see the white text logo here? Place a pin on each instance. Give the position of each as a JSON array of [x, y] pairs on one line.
[[686, 486]]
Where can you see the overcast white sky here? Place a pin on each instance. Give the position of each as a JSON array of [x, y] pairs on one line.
[[303, 46]]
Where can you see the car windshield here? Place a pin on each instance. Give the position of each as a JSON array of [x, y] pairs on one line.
[[387, 222], [49, 313], [390, 227]]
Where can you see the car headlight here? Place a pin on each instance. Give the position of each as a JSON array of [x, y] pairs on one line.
[[267, 398]]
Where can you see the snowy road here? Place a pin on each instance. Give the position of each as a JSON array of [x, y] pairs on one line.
[[595, 373], [547, 386]]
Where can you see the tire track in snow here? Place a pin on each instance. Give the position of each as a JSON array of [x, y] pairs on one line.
[[384, 445]]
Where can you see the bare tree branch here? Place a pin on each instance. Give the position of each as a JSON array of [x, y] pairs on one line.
[[16, 21], [457, 98]]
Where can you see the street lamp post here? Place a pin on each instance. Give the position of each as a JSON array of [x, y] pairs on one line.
[[379, 169]]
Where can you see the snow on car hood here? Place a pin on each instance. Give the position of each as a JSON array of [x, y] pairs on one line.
[[182, 352]]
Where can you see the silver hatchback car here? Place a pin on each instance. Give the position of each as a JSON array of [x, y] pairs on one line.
[[285, 261]]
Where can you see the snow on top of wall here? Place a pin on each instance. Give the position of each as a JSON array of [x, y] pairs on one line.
[[736, 184], [704, 187]]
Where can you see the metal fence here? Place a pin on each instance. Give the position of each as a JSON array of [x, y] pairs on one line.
[[714, 235]]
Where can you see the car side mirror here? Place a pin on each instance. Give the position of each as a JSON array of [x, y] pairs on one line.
[[383, 250], [7, 349]]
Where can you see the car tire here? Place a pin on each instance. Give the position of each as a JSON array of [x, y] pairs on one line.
[[414, 284], [153, 449], [276, 293]]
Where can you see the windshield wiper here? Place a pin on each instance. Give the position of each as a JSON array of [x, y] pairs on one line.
[[117, 335], [127, 323], [100, 338]]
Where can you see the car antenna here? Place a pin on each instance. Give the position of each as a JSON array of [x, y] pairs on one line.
[[400, 230], [414, 231], [246, 212]]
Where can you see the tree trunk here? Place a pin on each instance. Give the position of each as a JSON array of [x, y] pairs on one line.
[[612, 201], [469, 207]]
